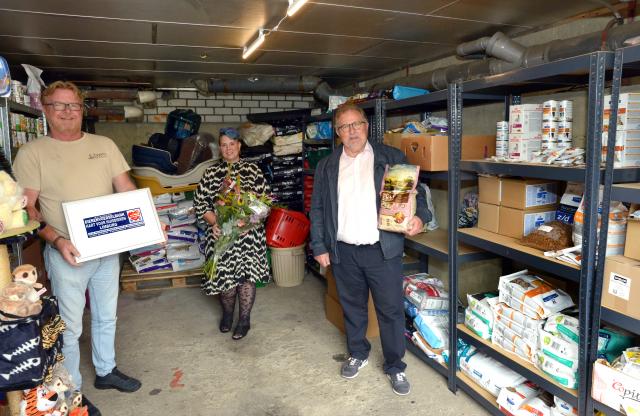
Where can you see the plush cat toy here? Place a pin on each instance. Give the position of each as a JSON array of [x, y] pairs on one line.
[[14, 300], [12, 203]]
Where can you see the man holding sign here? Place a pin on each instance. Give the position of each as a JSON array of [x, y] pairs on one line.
[[69, 165]]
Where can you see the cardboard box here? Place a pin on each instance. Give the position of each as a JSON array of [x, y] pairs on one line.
[[431, 153], [333, 312], [621, 285], [490, 189], [631, 246], [615, 388], [488, 217], [627, 148], [525, 119], [517, 223], [522, 146], [628, 111], [529, 193]]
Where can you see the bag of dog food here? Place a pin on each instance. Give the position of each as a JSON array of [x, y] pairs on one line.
[[563, 408], [531, 295], [522, 325], [488, 373], [479, 314], [434, 329], [511, 399], [398, 197], [565, 326], [556, 348], [559, 372], [551, 236], [426, 292], [509, 340]]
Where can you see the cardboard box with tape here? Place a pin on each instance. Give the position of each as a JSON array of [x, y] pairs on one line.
[[621, 285]]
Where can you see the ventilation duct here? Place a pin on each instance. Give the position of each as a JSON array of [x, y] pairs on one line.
[[305, 84]]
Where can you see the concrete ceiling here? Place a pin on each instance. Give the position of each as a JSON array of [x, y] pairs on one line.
[[166, 43]]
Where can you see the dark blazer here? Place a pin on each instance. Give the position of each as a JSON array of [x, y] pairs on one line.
[[324, 203]]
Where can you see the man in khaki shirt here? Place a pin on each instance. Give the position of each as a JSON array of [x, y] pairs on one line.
[[69, 165]]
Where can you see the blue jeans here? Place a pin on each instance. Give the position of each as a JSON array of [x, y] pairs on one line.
[[69, 284]]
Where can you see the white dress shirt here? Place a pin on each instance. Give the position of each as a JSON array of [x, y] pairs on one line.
[[357, 211]]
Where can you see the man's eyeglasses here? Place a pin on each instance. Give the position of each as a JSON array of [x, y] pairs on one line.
[[356, 125], [58, 106]]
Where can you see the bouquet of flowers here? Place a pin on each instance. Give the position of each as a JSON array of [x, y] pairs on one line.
[[237, 212]]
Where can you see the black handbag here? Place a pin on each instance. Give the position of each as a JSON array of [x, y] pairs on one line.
[[29, 347]]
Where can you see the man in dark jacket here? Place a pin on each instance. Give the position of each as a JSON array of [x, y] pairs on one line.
[[344, 233]]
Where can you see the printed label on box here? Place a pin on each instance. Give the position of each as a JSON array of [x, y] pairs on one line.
[[113, 222], [619, 286]]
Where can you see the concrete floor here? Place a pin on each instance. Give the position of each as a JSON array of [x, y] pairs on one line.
[[287, 366]]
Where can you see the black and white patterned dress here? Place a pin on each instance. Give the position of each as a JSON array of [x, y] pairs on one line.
[[246, 260]]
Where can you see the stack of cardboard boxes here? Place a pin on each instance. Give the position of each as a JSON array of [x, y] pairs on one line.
[[515, 207], [627, 147]]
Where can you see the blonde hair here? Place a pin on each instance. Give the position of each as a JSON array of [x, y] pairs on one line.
[[61, 85]]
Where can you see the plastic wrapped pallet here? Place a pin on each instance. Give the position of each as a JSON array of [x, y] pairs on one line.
[[479, 313], [532, 295], [485, 371]]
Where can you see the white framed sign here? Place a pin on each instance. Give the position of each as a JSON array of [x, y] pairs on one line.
[[112, 224]]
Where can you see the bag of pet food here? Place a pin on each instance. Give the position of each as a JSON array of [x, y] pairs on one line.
[[563, 408], [557, 371], [511, 399], [398, 197], [556, 348], [522, 325], [565, 326], [532, 295], [552, 236], [426, 292], [508, 340], [488, 373], [617, 231], [434, 329], [479, 314], [540, 405], [612, 341]]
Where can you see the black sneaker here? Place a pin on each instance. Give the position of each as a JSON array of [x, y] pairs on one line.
[[93, 411], [116, 380], [352, 366], [399, 383]]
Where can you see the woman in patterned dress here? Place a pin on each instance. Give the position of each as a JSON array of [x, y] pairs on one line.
[[245, 263]]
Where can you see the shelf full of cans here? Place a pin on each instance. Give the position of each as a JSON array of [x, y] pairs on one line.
[[23, 129], [538, 133]]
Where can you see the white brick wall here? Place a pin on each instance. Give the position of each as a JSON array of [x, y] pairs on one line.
[[226, 107]]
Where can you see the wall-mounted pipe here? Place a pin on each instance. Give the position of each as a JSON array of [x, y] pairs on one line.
[[303, 84], [141, 96], [126, 112]]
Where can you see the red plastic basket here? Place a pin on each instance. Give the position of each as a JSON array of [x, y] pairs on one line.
[[285, 228]]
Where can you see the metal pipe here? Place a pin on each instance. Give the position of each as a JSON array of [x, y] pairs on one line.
[[122, 111], [498, 46]]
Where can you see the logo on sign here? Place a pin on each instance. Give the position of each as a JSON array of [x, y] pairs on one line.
[[113, 222]]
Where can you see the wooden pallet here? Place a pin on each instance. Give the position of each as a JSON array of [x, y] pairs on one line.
[[130, 281]]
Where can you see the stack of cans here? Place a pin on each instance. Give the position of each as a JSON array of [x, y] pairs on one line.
[[557, 124], [502, 139]]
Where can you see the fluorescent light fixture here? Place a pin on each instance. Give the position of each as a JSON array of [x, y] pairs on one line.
[[294, 6], [248, 50]]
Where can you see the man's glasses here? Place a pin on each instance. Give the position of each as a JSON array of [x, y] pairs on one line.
[[58, 106], [356, 125]]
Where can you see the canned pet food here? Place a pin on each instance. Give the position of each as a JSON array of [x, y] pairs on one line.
[[565, 110], [549, 110], [549, 130]]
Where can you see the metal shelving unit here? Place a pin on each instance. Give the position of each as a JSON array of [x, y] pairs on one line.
[[585, 70], [440, 368], [6, 107]]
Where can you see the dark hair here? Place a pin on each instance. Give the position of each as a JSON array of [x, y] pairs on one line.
[[230, 132]]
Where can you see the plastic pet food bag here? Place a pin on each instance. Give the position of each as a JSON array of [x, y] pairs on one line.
[[425, 292], [563, 408], [556, 348], [565, 326], [479, 313], [511, 399], [434, 329], [488, 373], [569, 202], [560, 373], [612, 341], [551, 236], [433, 224], [477, 325], [398, 197], [508, 339], [532, 295], [540, 405]]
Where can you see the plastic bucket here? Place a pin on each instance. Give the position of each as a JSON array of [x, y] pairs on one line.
[[288, 265]]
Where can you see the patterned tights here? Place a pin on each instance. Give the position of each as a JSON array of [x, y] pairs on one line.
[[246, 293]]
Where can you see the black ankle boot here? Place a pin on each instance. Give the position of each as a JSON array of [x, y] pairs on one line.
[[226, 322]]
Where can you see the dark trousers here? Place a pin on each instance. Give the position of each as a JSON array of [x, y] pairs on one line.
[[363, 268]]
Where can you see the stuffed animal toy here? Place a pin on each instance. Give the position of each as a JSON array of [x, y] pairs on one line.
[[27, 275], [38, 401], [76, 408], [60, 380], [14, 301], [12, 203], [62, 408]]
